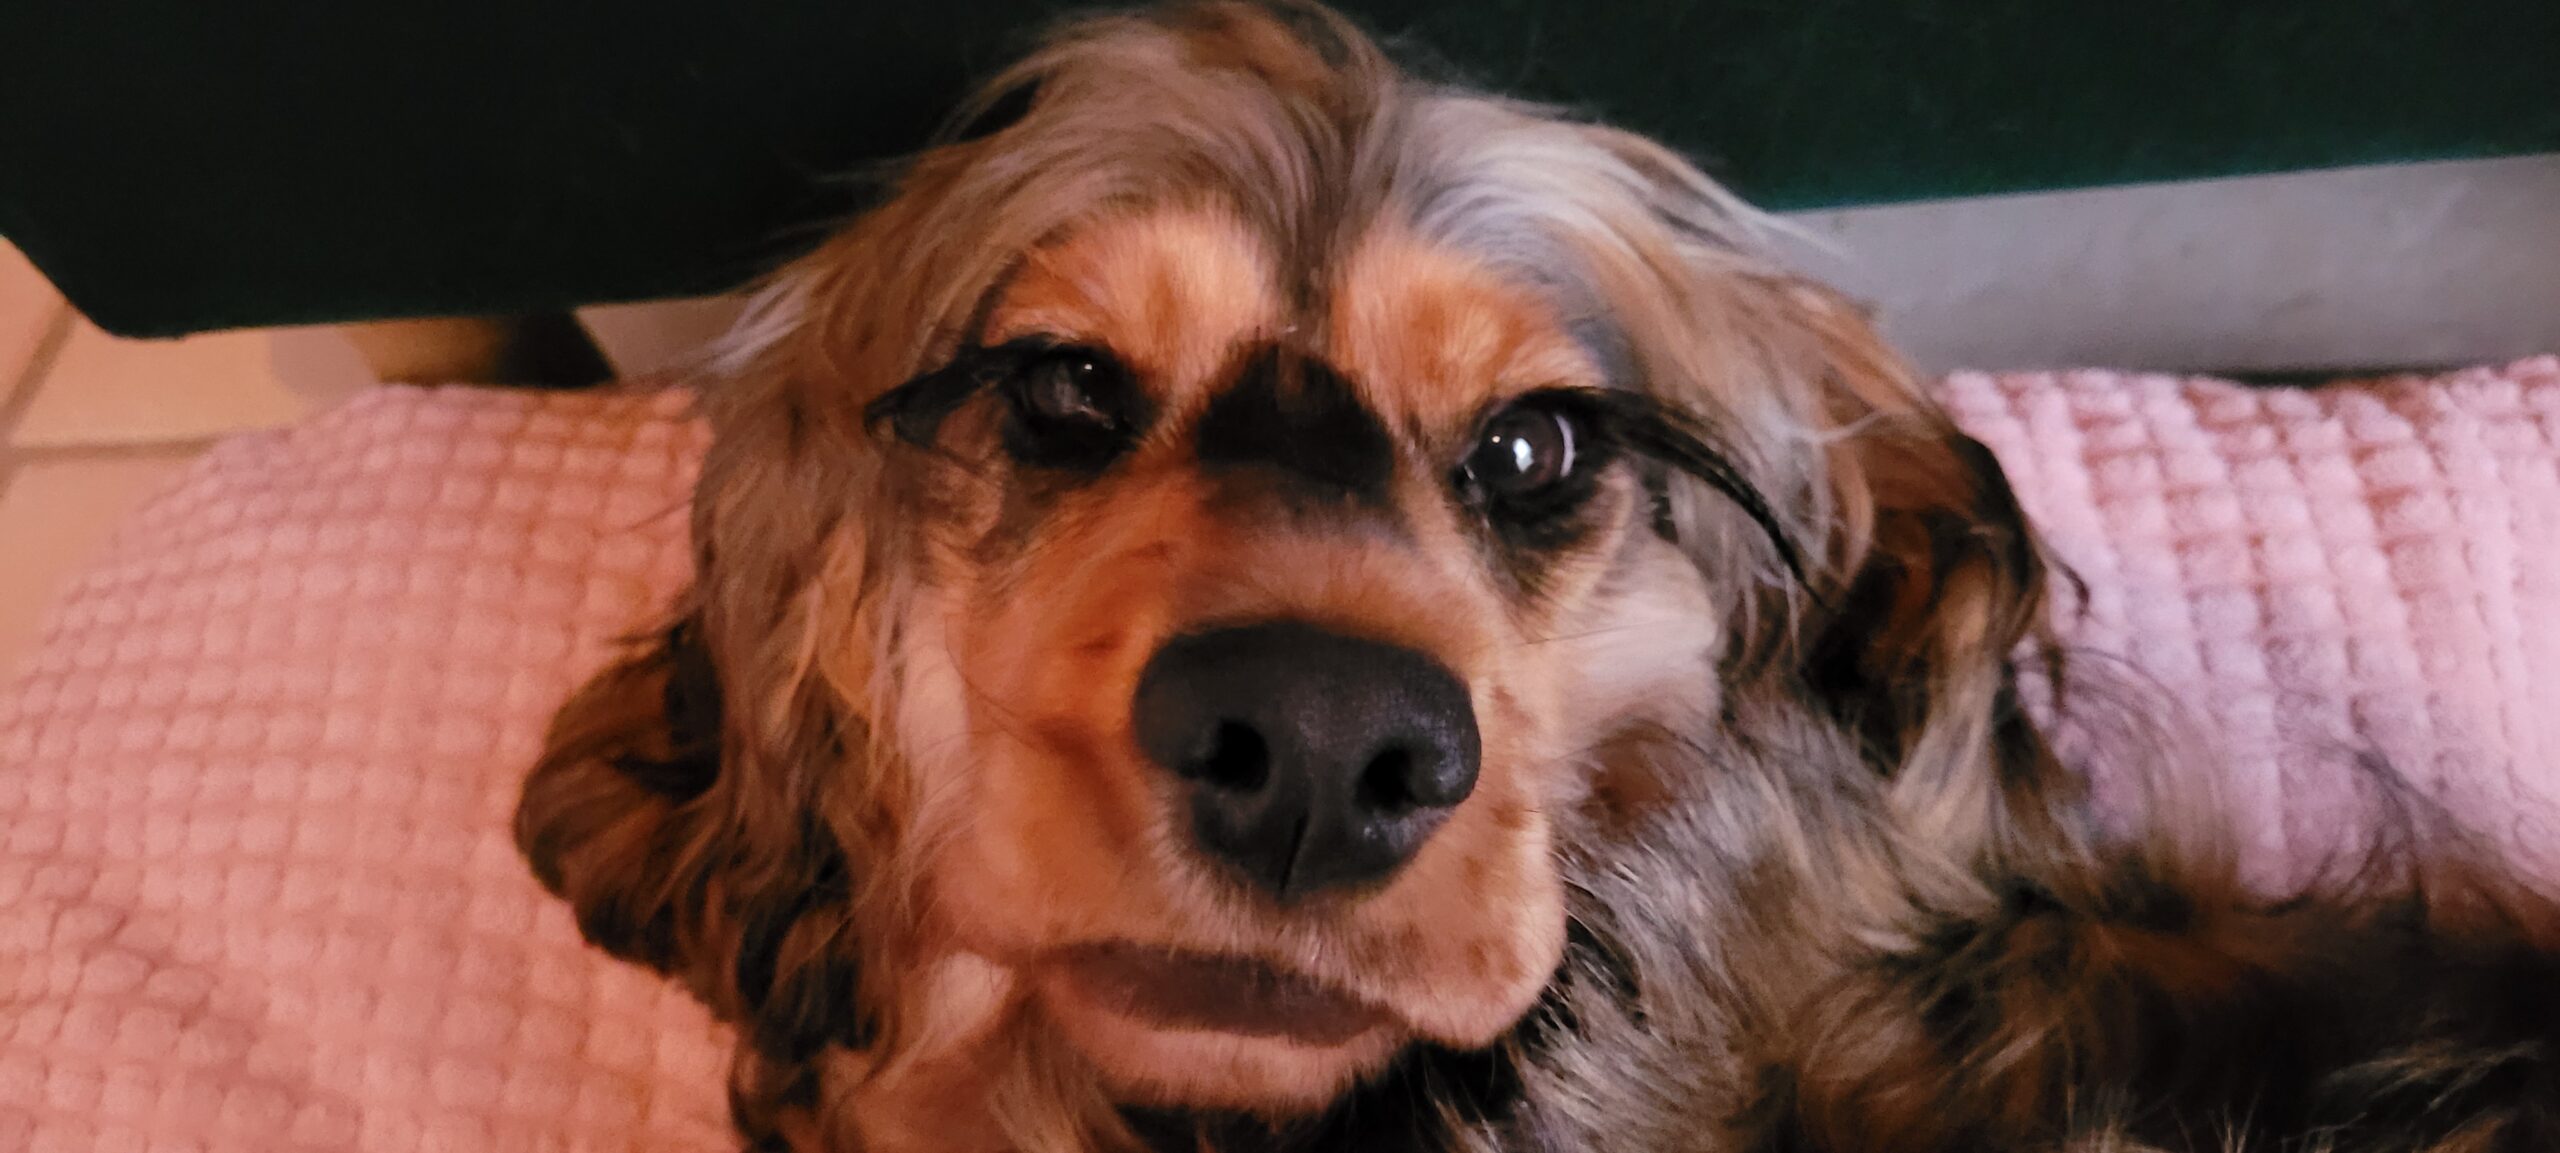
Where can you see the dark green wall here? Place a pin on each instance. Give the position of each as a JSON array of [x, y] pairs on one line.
[[180, 166]]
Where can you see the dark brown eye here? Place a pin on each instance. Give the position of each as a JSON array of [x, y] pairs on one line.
[[1073, 408], [1067, 388], [1523, 453]]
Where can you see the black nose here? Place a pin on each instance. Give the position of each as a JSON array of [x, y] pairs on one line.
[[1314, 761]]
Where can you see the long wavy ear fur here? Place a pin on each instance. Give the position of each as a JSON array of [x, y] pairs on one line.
[[716, 806], [1926, 583], [615, 794], [626, 817], [1943, 589], [1938, 585]]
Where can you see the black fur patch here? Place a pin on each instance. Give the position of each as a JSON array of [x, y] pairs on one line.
[[2311, 1023], [794, 1013], [693, 707], [1841, 666], [633, 929], [1296, 416]]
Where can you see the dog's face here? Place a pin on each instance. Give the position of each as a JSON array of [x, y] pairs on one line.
[[1261, 638], [1207, 553]]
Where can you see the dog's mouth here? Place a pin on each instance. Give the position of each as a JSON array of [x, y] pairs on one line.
[[1216, 994]]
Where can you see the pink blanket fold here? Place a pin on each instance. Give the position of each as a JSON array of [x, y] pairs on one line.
[[256, 887], [257, 893]]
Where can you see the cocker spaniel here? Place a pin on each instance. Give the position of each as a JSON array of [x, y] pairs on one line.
[[1262, 602]]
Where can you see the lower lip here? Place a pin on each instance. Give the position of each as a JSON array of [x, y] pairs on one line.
[[1216, 994]]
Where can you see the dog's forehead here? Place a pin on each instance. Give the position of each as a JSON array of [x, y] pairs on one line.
[[1435, 334], [1170, 292], [1186, 296]]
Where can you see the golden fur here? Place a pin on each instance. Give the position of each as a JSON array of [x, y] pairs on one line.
[[1765, 853]]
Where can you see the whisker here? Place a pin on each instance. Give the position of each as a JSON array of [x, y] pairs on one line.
[[1566, 638], [1002, 713]]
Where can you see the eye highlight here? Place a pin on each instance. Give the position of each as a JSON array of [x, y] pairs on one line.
[[1532, 465], [1061, 388], [1525, 450]]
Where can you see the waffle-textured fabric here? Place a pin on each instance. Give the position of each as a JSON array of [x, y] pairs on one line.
[[257, 891], [2323, 579]]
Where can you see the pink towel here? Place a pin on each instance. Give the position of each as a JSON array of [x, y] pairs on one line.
[[256, 889]]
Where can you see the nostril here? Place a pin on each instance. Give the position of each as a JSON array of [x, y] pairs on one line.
[[1236, 758], [1402, 780], [1387, 784]]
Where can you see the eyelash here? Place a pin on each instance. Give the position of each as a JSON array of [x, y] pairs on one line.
[[914, 412]]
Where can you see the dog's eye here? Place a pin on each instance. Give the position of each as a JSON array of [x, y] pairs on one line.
[[1073, 408], [1063, 388], [1525, 452]]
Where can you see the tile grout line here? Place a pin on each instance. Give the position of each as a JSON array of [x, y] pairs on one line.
[[15, 457], [22, 392], [119, 450]]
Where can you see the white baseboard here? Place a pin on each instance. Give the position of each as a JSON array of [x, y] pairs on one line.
[[2384, 267]]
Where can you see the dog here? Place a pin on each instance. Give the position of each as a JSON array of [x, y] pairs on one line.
[[1263, 602]]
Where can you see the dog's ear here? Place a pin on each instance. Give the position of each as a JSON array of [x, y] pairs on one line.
[[714, 806], [1936, 577], [633, 818], [1932, 583], [701, 804], [610, 817]]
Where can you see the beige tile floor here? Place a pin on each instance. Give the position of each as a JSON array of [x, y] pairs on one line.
[[92, 425]]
